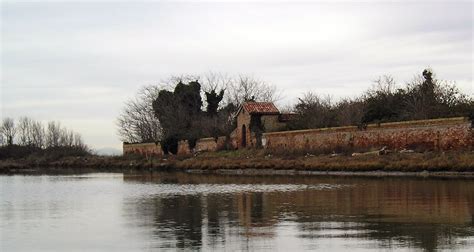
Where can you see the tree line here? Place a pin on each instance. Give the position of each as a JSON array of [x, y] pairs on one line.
[[192, 107], [26, 136], [425, 97]]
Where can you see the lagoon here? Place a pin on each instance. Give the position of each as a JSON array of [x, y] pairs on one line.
[[170, 211]]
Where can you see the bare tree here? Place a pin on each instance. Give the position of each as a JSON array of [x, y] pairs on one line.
[[383, 101], [78, 141], [8, 130], [25, 131], [349, 112], [385, 84], [246, 88], [314, 111], [429, 97], [53, 134], [66, 138], [215, 81], [137, 122], [38, 135]]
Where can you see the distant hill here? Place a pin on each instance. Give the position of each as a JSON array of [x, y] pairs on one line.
[[107, 151]]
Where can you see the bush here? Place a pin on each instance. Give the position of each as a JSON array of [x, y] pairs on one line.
[[51, 153]]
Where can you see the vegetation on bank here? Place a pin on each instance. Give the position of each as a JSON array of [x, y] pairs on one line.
[[425, 97], [31, 140], [242, 160], [401, 162]]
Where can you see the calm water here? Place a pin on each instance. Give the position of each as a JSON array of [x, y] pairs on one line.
[[115, 212]]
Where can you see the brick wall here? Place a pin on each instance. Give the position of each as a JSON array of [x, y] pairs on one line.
[[206, 144], [145, 149], [439, 134], [183, 148]]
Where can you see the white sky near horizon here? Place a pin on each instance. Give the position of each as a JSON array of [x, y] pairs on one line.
[[79, 61]]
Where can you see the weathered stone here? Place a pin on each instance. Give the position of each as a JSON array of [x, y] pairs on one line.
[[146, 149], [436, 134]]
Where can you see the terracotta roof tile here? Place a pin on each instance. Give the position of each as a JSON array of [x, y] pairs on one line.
[[260, 108]]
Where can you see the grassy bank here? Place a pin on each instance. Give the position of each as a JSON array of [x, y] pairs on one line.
[[255, 160], [401, 162]]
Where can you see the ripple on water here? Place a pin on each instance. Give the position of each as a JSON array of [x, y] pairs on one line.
[[204, 189]]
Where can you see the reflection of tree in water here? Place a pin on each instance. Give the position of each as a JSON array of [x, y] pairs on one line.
[[180, 221], [422, 214], [427, 214], [428, 236], [219, 215], [180, 218]]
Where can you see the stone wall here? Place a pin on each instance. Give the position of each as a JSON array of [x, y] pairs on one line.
[[437, 134], [145, 149], [203, 144], [183, 148], [206, 144], [210, 144]]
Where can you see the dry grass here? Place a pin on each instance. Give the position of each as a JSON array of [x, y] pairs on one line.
[[407, 162], [251, 159]]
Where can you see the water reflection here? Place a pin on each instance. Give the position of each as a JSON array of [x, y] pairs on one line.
[[169, 211], [312, 212]]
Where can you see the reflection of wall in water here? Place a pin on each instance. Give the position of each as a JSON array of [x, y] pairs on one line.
[[250, 207], [427, 200], [390, 207]]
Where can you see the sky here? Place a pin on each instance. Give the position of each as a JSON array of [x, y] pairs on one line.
[[79, 61]]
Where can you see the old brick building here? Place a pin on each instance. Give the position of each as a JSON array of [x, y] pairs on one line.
[[255, 118]]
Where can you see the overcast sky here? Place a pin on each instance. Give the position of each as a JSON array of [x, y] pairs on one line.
[[79, 62]]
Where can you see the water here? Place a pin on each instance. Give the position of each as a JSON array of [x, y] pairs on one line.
[[116, 212]]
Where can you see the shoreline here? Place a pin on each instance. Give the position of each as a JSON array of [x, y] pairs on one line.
[[428, 164], [245, 172], [267, 172]]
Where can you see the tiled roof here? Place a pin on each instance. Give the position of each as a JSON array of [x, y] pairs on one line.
[[260, 108]]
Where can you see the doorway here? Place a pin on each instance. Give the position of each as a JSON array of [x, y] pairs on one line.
[[244, 136]]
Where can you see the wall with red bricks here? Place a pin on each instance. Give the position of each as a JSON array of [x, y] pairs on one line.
[[206, 144], [211, 144], [437, 134], [145, 149], [183, 148]]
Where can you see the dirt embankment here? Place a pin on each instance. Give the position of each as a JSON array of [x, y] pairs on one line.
[[255, 162], [400, 162]]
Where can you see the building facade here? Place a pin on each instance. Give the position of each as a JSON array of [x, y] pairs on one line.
[[255, 118]]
